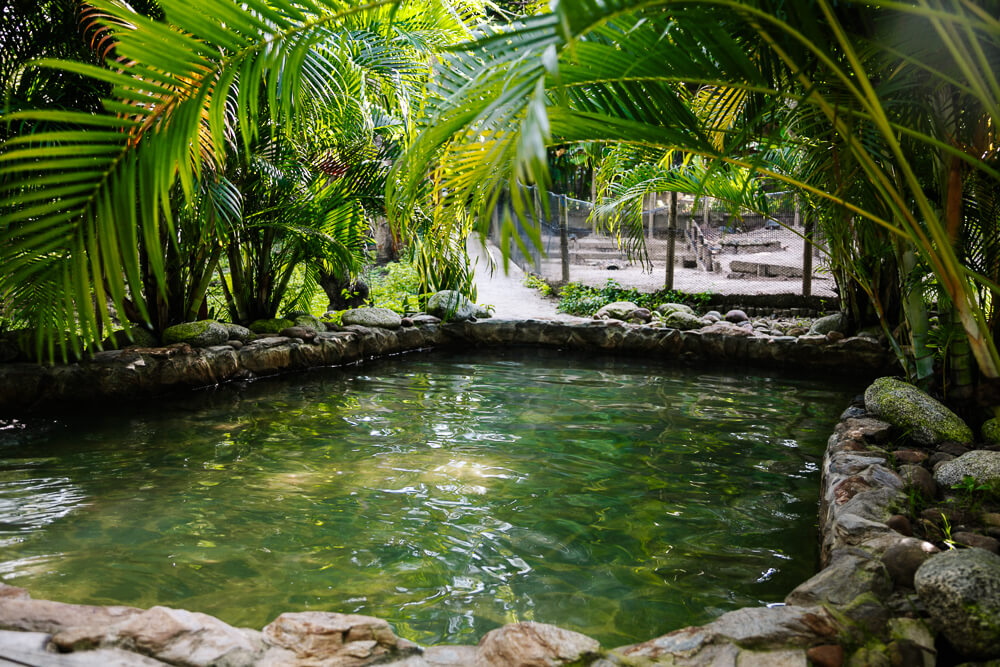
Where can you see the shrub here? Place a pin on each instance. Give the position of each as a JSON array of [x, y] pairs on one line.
[[584, 300]]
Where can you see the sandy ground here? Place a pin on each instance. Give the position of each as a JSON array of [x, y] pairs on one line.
[[507, 293]]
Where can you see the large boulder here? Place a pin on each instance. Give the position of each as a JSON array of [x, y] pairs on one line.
[[824, 325], [960, 589], [272, 326], [924, 419], [451, 306], [678, 319], [980, 464], [203, 333], [616, 310], [373, 317]]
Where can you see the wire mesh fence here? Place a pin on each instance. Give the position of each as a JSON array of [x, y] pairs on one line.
[[713, 249]]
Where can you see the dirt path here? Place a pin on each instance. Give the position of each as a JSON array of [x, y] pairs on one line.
[[507, 293]]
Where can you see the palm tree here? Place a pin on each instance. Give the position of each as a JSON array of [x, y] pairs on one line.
[[846, 87], [99, 213]]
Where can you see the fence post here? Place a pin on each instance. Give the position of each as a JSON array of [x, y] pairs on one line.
[[671, 240], [807, 255], [564, 237]]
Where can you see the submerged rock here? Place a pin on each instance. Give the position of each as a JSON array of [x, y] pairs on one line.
[[980, 464], [961, 591], [924, 419], [203, 333], [373, 317], [617, 310], [451, 306]]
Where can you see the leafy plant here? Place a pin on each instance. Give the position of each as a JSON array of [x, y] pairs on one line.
[[534, 282], [584, 300], [395, 286]]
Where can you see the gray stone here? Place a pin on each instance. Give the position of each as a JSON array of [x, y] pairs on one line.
[[991, 431], [203, 333], [484, 312], [373, 317], [726, 329], [679, 319], [976, 540], [617, 310], [961, 590], [307, 320], [237, 332], [337, 640], [735, 316], [423, 319], [904, 558], [846, 578], [451, 306], [665, 308], [980, 464], [924, 419], [308, 334], [527, 644], [775, 627], [824, 325], [919, 479]]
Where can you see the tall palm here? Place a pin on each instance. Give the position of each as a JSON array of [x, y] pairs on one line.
[[89, 214], [626, 72]]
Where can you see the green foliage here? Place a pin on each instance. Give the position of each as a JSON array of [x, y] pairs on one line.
[[534, 282], [583, 300], [395, 286]]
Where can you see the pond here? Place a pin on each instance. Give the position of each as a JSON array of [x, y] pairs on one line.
[[447, 494]]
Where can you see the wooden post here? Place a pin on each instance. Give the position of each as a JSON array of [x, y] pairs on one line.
[[704, 215], [671, 240], [807, 256], [564, 237], [535, 252]]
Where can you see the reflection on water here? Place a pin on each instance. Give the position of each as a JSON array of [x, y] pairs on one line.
[[447, 495]]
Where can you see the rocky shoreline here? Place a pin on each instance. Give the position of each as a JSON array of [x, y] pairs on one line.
[[136, 373], [883, 597]]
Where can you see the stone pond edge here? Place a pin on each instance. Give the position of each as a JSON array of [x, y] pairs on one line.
[[846, 603]]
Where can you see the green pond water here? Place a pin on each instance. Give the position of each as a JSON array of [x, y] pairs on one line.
[[447, 494]]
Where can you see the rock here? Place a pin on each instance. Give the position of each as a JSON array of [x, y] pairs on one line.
[[373, 317], [982, 465], [308, 334], [406, 322], [824, 325], [939, 457], [827, 655], [991, 431], [337, 640], [909, 456], [617, 310], [920, 480], [273, 326], [735, 316], [640, 316], [726, 329], [834, 336], [203, 333], [307, 320], [904, 406], [423, 319], [846, 578], [976, 540], [665, 308], [714, 314], [678, 319], [961, 590], [120, 340], [811, 339], [952, 448], [237, 332], [530, 644], [174, 636], [796, 331], [900, 524], [235, 344], [902, 559], [452, 306]]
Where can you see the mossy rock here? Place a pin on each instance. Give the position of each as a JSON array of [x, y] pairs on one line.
[[679, 319], [140, 338], [667, 308], [451, 306], [373, 317], [237, 332], [616, 310], [991, 431], [925, 420], [307, 320], [203, 333], [273, 326], [824, 325]]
